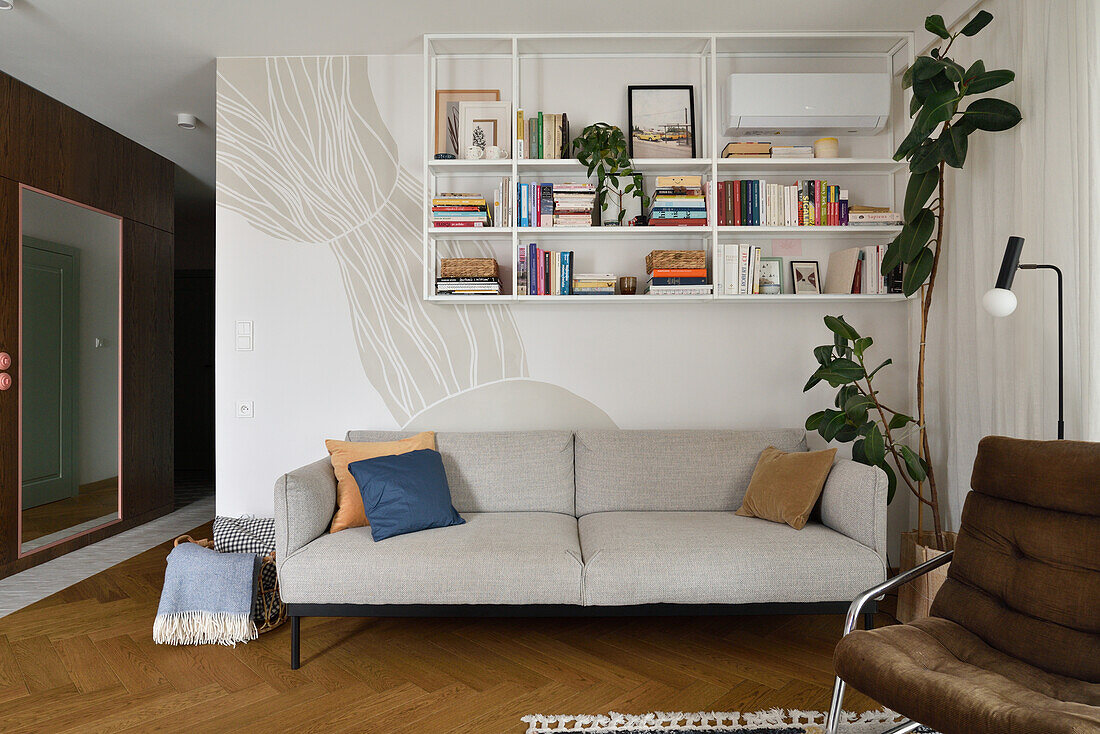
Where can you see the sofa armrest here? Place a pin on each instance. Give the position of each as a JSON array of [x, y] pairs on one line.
[[854, 503], [305, 500]]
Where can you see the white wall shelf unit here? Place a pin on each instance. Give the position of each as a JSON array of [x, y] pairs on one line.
[[586, 75]]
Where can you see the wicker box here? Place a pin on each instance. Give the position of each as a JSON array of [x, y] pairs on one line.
[[468, 267], [675, 259]]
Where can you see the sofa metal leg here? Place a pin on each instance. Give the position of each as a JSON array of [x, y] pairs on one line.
[[832, 721], [868, 620], [295, 639]]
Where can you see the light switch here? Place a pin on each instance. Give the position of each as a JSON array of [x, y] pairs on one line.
[[244, 336]]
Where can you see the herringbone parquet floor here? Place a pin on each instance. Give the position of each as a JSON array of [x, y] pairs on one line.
[[83, 660]]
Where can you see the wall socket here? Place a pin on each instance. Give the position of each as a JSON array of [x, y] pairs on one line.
[[244, 409]]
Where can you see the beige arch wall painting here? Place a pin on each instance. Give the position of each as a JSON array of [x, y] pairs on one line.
[[304, 156]]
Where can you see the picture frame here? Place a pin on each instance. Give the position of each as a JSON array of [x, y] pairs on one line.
[[484, 124], [446, 114], [805, 277], [771, 276], [661, 120]]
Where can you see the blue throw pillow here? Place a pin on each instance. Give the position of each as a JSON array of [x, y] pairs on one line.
[[405, 493]]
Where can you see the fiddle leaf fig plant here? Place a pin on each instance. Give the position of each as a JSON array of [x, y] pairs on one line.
[[946, 111], [602, 148]]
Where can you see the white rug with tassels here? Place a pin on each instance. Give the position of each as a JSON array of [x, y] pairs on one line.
[[775, 721]]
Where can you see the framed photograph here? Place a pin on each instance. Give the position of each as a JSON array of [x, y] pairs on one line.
[[771, 275], [662, 121], [446, 114], [804, 277], [484, 125]]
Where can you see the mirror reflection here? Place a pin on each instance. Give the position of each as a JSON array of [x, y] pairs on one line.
[[69, 369]]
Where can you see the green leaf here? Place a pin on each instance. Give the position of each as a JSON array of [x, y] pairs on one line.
[[954, 71], [939, 107], [893, 256], [926, 67], [918, 190], [953, 146], [916, 234], [914, 105], [856, 408], [935, 83], [975, 24], [858, 453], [891, 481], [876, 369], [814, 420], [814, 379], [843, 394], [874, 446], [935, 24], [823, 354], [917, 272], [907, 78], [846, 370], [841, 327], [993, 115], [831, 424], [989, 81], [976, 69], [912, 463], [861, 344], [916, 136], [899, 420]]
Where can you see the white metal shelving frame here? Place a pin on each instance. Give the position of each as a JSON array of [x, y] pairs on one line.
[[708, 48]]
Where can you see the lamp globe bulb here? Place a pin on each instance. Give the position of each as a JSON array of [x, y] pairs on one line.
[[999, 302]]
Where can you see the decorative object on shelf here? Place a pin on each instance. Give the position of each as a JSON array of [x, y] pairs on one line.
[[826, 148], [940, 86], [475, 152], [444, 156], [468, 267], [771, 276], [483, 125], [805, 278], [628, 285], [1000, 301], [602, 148], [446, 115], [658, 259], [661, 120], [495, 153]]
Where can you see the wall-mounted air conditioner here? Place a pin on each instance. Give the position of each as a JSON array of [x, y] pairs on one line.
[[807, 104]]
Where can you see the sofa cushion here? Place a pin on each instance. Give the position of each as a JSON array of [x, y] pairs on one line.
[[349, 498], [620, 471], [785, 486], [405, 493], [494, 558], [718, 558], [506, 471], [936, 672]]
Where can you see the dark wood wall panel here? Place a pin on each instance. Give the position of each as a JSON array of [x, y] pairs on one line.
[[51, 147]]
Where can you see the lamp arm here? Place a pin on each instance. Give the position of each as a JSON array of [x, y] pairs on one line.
[[1061, 347]]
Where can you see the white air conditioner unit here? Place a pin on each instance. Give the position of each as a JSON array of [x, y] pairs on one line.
[[807, 104]]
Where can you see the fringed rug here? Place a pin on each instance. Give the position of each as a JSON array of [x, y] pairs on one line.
[[776, 721]]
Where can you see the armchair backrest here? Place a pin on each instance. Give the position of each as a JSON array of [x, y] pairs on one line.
[[1026, 573]]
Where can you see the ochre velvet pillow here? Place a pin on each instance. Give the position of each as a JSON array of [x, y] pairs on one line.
[[785, 487], [349, 500]]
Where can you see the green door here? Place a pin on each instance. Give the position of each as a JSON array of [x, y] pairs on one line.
[[50, 294]]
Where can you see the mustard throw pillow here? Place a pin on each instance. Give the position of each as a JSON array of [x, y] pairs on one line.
[[785, 487], [349, 499]]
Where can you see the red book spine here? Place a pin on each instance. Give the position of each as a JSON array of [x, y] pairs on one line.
[[721, 204], [737, 204]]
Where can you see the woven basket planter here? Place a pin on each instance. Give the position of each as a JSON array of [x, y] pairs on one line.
[[675, 259], [915, 598], [468, 267]]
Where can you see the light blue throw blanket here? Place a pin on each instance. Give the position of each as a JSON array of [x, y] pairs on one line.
[[207, 597]]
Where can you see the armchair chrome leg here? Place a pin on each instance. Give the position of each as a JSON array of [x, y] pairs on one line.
[[904, 728], [832, 721]]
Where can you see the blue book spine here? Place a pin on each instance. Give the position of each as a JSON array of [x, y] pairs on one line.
[[678, 281], [521, 201]]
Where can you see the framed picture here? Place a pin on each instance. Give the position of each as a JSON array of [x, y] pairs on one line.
[[446, 114], [771, 275], [662, 121], [483, 125], [804, 277]]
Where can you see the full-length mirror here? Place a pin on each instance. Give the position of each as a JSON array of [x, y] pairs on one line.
[[70, 343]]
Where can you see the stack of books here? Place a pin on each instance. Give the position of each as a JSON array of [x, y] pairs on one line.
[[459, 210], [792, 151], [545, 135], [873, 215], [544, 272], [747, 150], [756, 203], [678, 281], [738, 269], [573, 204], [678, 201], [470, 276], [467, 286], [594, 284], [859, 270]]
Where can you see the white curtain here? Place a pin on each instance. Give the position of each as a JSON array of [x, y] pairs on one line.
[[1040, 181]]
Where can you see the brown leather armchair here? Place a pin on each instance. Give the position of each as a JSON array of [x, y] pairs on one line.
[[1012, 645]]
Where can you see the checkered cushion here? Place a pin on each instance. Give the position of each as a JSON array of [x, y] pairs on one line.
[[244, 535]]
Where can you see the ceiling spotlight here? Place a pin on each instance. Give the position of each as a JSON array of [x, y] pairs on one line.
[[183, 119], [7, 4]]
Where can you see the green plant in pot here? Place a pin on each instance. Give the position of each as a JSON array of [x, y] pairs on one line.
[[602, 148], [946, 111]]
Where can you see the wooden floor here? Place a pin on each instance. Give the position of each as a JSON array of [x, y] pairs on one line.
[[83, 660], [93, 501]]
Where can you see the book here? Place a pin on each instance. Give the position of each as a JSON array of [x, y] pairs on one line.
[[677, 281], [520, 148], [792, 151], [747, 149], [841, 271]]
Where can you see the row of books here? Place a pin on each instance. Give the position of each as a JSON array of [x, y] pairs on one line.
[[678, 282], [459, 210], [555, 205], [738, 269], [678, 201], [756, 203], [859, 270], [542, 135], [544, 272], [467, 286]]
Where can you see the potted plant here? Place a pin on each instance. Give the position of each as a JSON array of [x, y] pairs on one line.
[[880, 436], [602, 148]]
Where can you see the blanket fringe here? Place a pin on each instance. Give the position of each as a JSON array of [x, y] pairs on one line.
[[702, 720], [203, 628]]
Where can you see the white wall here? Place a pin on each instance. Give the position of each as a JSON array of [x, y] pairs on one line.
[[287, 261]]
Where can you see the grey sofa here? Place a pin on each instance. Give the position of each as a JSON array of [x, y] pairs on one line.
[[597, 522]]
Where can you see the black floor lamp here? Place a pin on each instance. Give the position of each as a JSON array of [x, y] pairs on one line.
[[1001, 301]]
